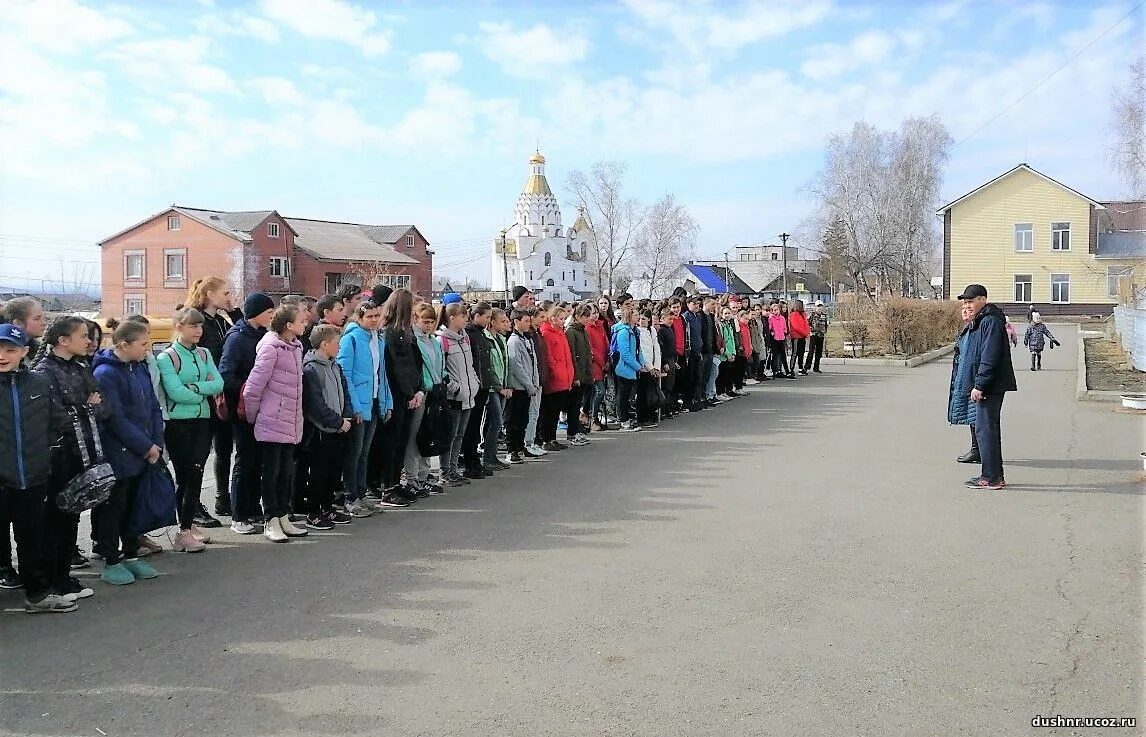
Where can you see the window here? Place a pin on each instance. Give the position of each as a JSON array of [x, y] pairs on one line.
[[531, 276], [1060, 288], [775, 257], [562, 276], [280, 267], [1023, 287], [396, 281], [133, 266], [175, 265], [133, 304], [172, 224], [410, 239], [1114, 277], [1024, 237], [574, 274], [548, 258], [549, 283], [1060, 236], [272, 230], [332, 282]]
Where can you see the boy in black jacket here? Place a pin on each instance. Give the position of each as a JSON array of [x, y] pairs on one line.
[[667, 340], [30, 420], [326, 407]]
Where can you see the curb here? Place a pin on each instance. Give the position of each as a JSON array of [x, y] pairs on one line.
[[1081, 393], [899, 362]]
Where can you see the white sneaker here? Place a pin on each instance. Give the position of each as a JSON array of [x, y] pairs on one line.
[[630, 427], [186, 542], [290, 529], [579, 440], [537, 450], [243, 528], [273, 531], [359, 510], [751, 381], [723, 397]]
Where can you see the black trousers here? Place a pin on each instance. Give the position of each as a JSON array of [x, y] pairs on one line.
[[573, 400], [739, 370], [779, 359], [700, 376], [517, 417], [277, 477], [395, 435], [724, 376], [551, 406], [625, 388], [799, 345], [645, 411], [60, 529], [815, 351], [188, 443], [245, 474], [322, 459], [224, 444], [22, 511], [470, 456], [989, 432], [111, 524]]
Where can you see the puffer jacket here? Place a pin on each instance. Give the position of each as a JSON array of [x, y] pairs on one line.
[[777, 327], [29, 423], [480, 347], [134, 421], [238, 359], [559, 358], [186, 390], [72, 384], [798, 325], [461, 380], [582, 353], [627, 345], [358, 367], [273, 392], [1036, 336], [403, 362], [960, 409], [599, 347]]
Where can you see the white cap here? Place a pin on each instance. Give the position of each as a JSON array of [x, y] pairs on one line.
[[819, 303]]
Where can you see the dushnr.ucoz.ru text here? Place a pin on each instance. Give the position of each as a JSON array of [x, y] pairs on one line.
[[1060, 721]]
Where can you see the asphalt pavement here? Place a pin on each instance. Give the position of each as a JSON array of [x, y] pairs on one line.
[[802, 561]]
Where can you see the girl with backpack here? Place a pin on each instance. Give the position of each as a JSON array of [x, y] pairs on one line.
[[461, 388], [189, 379], [625, 357]]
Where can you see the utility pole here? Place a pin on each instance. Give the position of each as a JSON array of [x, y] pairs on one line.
[[784, 261], [505, 268], [727, 274]]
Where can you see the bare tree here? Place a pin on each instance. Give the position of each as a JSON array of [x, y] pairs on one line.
[[665, 241], [76, 284], [372, 273], [614, 219], [1128, 129]]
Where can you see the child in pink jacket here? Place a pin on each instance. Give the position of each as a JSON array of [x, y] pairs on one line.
[[273, 398], [778, 332]]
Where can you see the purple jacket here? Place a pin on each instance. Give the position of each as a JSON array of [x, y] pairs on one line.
[[273, 391]]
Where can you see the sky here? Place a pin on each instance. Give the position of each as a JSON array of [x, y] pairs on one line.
[[426, 112]]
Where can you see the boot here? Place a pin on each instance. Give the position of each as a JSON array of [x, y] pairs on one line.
[[971, 456], [1038, 362], [1033, 361], [289, 528], [273, 530]]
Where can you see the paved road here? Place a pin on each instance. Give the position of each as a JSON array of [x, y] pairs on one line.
[[801, 562]]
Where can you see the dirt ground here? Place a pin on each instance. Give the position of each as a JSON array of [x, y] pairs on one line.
[[1108, 368]]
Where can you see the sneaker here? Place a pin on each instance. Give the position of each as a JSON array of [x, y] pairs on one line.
[[751, 382], [723, 397], [239, 527], [273, 531], [50, 604], [117, 575], [203, 519], [803, 372], [630, 427], [393, 500], [290, 529], [454, 480], [359, 510], [200, 535], [319, 522], [651, 424], [338, 517], [516, 458], [186, 542], [536, 450], [488, 471], [79, 560], [982, 483], [598, 427], [579, 441], [375, 493], [9, 579], [222, 507], [498, 465], [147, 546], [139, 569], [77, 590], [434, 490], [817, 371], [474, 473]]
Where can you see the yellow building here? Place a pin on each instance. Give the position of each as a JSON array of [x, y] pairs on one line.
[[1030, 239]]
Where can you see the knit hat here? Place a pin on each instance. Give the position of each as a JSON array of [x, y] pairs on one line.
[[450, 298], [380, 294], [256, 304], [519, 291]]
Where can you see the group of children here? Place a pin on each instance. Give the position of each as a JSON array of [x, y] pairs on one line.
[[334, 409]]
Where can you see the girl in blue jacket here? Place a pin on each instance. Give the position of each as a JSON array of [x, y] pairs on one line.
[[625, 349], [362, 356]]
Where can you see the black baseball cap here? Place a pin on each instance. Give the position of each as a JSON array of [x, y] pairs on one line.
[[972, 291]]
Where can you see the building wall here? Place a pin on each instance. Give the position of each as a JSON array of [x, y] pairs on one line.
[[982, 248], [264, 248], [207, 252], [309, 277]]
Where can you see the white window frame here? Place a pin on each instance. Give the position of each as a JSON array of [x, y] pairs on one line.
[[1056, 240], [1027, 245], [1114, 276], [174, 220], [279, 267], [1029, 280], [410, 240], [272, 230], [130, 300], [128, 276], [1055, 300], [168, 253]]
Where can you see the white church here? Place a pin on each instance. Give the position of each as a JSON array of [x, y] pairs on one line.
[[538, 253]]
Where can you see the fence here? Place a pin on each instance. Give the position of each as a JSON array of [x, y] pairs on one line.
[[1130, 324]]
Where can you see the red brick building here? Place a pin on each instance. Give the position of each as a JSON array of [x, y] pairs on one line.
[[147, 268]]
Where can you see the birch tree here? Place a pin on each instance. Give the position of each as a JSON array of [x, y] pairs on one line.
[[1128, 129], [614, 219], [666, 239]]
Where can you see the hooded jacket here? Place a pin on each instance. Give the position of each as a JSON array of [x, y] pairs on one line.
[[30, 419], [325, 395], [480, 347], [238, 360], [695, 327], [727, 334], [1036, 337], [498, 360], [960, 409], [357, 362], [461, 380], [581, 352], [598, 336], [134, 421], [273, 391], [72, 384], [627, 345], [403, 362], [756, 330], [523, 374], [798, 325], [988, 353], [186, 390], [559, 358], [433, 359]]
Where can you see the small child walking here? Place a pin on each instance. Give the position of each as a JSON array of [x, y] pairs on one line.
[[1035, 340]]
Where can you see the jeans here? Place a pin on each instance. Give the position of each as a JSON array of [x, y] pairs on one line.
[[224, 443], [245, 473], [112, 536], [322, 457], [517, 420], [704, 370], [188, 443], [357, 456], [453, 424], [22, 510], [534, 415], [988, 431], [277, 477], [472, 435], [597, 399], [491, 427], [713, 373], [624, 398], [396, 434], [815, 351], [551, 406]]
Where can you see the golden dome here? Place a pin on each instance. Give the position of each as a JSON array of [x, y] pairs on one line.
[[537, 158]]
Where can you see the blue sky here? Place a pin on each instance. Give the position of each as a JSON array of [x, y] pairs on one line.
[[426, 112]]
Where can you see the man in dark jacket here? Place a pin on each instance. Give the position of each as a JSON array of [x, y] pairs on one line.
[[694, 355], [480, 315], [988, 358]]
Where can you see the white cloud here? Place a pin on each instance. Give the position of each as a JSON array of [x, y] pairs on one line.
[[532, 53], [163, 62], [237, 23], [332, 20], [830, 60], [276, 90], [61, 26], [431, 64]]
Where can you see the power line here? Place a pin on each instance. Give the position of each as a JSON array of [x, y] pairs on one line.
[[1046, 79]]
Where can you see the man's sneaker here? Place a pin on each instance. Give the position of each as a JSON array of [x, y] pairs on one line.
[[454, 479], [290, 529], [488, 471], [147, 546], [516, 458], [630, 427], [203, 519], [79, 560], [474, 473], [724, 397], [578, 441], [982, 483], [393, 500], [76, 590], [240, 527], [338, 517], [498, 465], [751, 382], [139, 569], [434, 490], [375, 493], [9, 579], [319, 522], [50, 604], [359, 509], [222, 508], [536, 451], [117, 575]]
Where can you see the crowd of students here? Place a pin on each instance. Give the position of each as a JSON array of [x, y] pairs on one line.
[[325, 411]]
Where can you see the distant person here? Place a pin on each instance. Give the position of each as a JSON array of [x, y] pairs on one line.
[[960, 410], [1035, 340]]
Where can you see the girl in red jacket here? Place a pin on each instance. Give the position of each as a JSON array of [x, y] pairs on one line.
[[800, 330], [555, 388]]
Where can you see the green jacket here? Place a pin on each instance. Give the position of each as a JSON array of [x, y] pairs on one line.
[[498, 360], [187, 378], [729, 333], [582, 354]]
